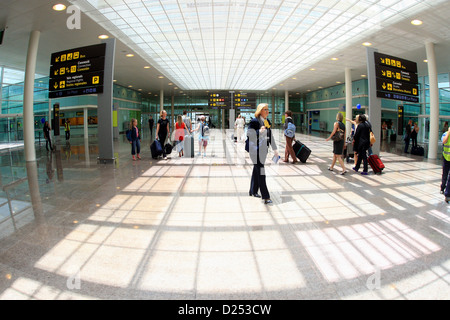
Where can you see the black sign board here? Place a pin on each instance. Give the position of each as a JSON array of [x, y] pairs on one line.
[[245, 100], [88, 52], [77, 67], [396, 78], [394, 62], [396, 74], [219, 100], [77, 71]]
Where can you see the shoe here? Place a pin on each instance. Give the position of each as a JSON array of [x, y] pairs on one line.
[[447, 199], [165, 158], [364, 173], [254, 195], [199, 154], [134, 158], [294, 162], [139, 157], [442, 191], [343, 172], [330, 169], [204, 155], [268, 201], [354, 169]]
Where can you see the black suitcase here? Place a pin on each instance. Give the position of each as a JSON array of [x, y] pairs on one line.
[[156, 149], [168, 148], [418, 151], [301, 151]]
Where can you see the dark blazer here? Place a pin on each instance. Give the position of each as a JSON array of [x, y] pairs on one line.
[[259, 143], [362, 137]]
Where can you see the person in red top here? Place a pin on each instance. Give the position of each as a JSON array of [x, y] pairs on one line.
[[180, 131]]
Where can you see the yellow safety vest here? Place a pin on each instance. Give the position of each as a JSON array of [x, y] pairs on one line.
[[67, 126], [446, 151]]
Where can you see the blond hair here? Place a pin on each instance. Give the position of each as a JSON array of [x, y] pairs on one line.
[[260, 107]]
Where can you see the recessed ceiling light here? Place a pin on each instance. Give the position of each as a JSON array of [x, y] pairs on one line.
[[294, 78], [170, 84], [338, 82], [130, 55], [363, 75], [320, 87], [59, 7], [161, 77], [312, 69], [147, 67], [130, 86], [103, 36], [334, 59], [426, 61], [416, 22], [367, 44]]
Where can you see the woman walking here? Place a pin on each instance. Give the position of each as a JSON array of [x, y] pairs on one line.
[[260, 137], [289, 151], [338, 145], [180, 131], [162, 130]]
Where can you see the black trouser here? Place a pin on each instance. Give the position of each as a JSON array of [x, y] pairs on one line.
[[362, 156], [445, 170], [48, 142], [67, 135], [162, 139], [258, 181]]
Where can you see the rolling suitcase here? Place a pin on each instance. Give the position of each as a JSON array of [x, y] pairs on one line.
[[156, 149], [375, 163], [188, 146], [418, 151], [301, 151]]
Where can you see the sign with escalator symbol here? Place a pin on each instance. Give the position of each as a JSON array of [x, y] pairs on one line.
[[96, 80]]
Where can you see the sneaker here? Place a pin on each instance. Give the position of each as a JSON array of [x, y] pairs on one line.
[[165, 158], [204, 154], [364, 173], [134, 158], [139, 157], [354, 169]]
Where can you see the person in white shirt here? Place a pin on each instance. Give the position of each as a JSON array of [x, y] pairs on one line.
[[239, 128]]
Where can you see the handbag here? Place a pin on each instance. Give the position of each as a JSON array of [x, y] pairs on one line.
[[372, 138], [338, 135]]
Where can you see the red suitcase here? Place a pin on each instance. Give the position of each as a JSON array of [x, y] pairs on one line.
[[375, 163]]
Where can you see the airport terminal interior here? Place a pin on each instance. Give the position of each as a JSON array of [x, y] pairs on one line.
[[87, 221]]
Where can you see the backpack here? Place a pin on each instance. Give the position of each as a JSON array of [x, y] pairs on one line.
[[290, 130], [205, 130], [128, 134]]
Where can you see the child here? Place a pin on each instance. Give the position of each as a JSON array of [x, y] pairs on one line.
[[135, 140]]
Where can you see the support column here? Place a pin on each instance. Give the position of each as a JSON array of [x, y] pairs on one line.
[[28, 98], [173, 111], [273, 110], [286, 100], [434, 102], [161, 100], [374, 101], [348, 101], [85, 123], [105, 107]]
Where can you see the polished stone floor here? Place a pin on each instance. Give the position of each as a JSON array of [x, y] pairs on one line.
[[187, 229]]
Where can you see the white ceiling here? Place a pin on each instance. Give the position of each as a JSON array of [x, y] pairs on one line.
[[190, 66]]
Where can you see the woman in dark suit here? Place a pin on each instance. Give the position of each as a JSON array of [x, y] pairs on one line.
[[260, 137], [361, 143]]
